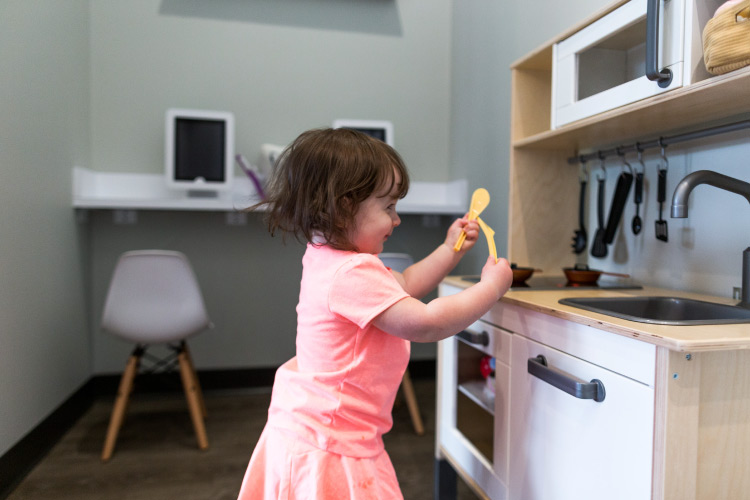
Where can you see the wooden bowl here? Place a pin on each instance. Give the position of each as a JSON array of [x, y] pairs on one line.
[[521, 274]]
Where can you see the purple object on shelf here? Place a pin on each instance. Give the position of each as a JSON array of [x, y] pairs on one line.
[[241, 162]]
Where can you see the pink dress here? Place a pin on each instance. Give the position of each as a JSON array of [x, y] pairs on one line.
[[332, 402]]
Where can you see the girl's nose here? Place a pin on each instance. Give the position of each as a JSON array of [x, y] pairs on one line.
[[396, 220]]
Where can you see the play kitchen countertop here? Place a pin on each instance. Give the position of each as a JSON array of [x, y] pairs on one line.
[[691, 338]]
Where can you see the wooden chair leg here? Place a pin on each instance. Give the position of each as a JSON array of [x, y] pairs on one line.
[[121, 404], [411, 402], [187, 373], [197, 382]]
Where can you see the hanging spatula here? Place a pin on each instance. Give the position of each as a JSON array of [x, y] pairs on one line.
[[618, 204], [579, 238], [599, 247], [661, 224]]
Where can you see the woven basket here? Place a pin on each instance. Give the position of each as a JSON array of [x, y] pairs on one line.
[[726, 39]]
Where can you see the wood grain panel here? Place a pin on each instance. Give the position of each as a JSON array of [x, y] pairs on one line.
[[724, 441], [531, 106], [675, 425], [543, 211]]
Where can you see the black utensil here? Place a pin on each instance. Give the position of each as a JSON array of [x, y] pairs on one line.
[[661, 224], [599, 247], [580, 239], [638, 195], [618, 204]]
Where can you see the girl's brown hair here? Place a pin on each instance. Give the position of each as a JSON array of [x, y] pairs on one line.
[[321, 179]]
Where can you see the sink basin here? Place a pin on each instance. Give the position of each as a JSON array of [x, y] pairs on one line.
[[663, 310]]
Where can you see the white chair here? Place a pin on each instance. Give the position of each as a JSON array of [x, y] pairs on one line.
[[154, 298], [399, 262]]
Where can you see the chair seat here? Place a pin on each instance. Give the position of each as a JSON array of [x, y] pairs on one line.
[[154, 298]]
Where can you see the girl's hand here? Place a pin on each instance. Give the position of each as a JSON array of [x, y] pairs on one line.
[[499, 274], [454, 232]]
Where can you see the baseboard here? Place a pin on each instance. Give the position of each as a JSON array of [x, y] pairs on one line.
[[19, 460], [24, 455]]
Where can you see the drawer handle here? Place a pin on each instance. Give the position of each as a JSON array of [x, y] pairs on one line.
[[662, 77], [481, 338], [582, 390]]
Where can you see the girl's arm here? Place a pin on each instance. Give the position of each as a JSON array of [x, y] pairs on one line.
[[416, 321], [422, 277]]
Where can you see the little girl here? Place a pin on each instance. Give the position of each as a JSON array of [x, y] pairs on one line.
[[331, 404]]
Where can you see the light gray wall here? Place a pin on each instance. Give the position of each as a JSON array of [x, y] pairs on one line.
[[281, 67], [488, 36], [44, 339]]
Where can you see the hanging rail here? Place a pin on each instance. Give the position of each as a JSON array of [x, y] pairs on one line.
[[660, 142]]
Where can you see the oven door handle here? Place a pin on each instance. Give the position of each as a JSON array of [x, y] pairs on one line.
[[664, 76], [593, 390], [481, 338]]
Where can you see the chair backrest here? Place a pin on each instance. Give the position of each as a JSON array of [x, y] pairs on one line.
[[396, 261], [154, 297]]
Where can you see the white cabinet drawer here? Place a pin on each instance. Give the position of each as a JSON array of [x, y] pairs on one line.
[[623, 355], [567, 448]]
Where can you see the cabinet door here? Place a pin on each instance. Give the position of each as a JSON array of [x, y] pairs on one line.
[[472, 424], [567, 448], [603, 65]]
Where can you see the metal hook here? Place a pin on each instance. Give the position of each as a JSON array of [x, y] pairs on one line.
[[625, 163], [601, 165], [663, 154], [583, 174], [640, 157]]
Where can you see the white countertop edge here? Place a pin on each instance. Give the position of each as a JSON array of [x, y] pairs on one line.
[[138, 191], [692, 338]]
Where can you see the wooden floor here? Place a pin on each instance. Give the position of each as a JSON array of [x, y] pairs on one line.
[[157, 456]]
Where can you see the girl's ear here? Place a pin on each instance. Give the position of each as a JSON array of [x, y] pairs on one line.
[[347, 203]]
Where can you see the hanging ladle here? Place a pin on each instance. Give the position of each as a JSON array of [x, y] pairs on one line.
[[580, 239]]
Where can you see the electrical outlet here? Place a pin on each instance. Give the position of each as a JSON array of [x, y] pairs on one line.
[[430, 220], [125, 217], [236, 218], [82, 216]]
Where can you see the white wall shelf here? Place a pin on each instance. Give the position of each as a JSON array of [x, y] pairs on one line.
[[133, 191]]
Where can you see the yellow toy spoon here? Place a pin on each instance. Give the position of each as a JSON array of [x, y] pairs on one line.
[[479, 201]]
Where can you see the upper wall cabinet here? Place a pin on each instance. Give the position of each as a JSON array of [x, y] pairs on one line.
[[587, 88], [636, 51]]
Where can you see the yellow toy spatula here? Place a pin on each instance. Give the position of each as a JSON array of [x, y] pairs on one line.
[[490, 235], [479, 201]]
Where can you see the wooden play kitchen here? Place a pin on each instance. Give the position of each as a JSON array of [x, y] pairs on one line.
[[673, 423]]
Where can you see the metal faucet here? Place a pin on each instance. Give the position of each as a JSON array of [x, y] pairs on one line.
[[680, 211]]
